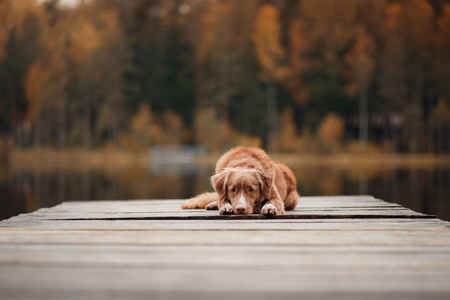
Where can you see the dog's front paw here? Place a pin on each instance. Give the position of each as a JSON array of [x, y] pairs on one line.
[[226, 209], [212, 205], [269, 210]]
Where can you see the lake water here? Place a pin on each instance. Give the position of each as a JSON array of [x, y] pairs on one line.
[[422, 189]]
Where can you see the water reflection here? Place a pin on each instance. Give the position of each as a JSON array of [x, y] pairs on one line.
[[421, 189]]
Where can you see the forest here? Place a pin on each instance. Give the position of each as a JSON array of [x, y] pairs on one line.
[[287, 75]]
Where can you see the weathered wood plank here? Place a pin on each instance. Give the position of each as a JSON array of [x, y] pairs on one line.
[[329, 248], [393, 224], [214, 215], [223, 280], [69, 294], [185, 257], [225, 237], [309, 207]]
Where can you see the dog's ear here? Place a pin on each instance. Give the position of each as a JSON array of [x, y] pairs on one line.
[[265, 183], [219, 183]]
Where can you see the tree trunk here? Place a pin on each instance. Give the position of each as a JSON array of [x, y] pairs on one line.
[[87, 125], [62, 125], [363, 118], [37, 131], [272, 122], [417, 125]]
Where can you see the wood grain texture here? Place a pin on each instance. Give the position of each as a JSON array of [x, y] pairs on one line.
[[342, 247]]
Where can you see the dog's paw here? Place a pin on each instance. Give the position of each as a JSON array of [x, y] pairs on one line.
[[269, 210], [212, 206], [226, 209]]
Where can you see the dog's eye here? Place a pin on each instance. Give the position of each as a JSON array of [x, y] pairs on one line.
[[250, 190], [233, 190]]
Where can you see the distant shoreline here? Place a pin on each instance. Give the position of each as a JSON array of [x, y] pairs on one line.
[[108, 159]]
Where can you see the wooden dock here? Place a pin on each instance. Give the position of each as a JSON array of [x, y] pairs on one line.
[[354, 247]]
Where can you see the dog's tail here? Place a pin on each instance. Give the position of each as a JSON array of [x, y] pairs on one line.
[[200, 201]]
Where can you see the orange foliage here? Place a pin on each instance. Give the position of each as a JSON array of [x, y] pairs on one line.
[[288, 132], [442, 41], [224, 25], [84, 51], [361, 63], [297, 62], [13, 14], [35, 81], [85, 39], [173, 131], [266, 37], [331, 25], [407, 31], [216, 135], [331, 131]]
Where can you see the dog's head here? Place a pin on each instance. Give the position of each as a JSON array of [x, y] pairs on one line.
[[242, 187]]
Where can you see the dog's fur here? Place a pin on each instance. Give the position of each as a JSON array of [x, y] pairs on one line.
[[247, 181]]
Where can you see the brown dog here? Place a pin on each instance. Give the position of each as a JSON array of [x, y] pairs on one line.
[[247, 181]]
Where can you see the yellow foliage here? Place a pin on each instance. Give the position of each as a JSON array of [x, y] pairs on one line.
[[205, 36], [332, 25], [211, 132], [142, 122], [128, 143], [297, 63], [34, 83], [242, 139], [444, 27], [109, 19], [266, 37], [441, 115], [331, 131], [442, 61], [393, 14], [148, 129], [12, 16], [172, 129], [288, 132], [85, 39], [356, 147], [361, 63], [3, 27], [298, 45]]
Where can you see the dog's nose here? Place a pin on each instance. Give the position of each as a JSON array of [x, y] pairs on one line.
[[240, 210]]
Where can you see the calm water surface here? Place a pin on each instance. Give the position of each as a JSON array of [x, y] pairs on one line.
[[422, 189]]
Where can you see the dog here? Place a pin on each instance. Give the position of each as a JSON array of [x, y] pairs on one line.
[[247, 181]]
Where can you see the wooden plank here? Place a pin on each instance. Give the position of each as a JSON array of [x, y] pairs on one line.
[[309, 208], [392, 224], [329, 248], [175, 205], [222, 280], [69, 294], [214, 215], [225, 237], [185, 257]]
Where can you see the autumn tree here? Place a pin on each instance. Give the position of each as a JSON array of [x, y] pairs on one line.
[[47, 80], [298, 62], [87, 74], [270, 55], [332, 46], [441, 67], [330, 28], [226, 71], [20, 29], [361, 66], [419, 31], [162, 59]]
